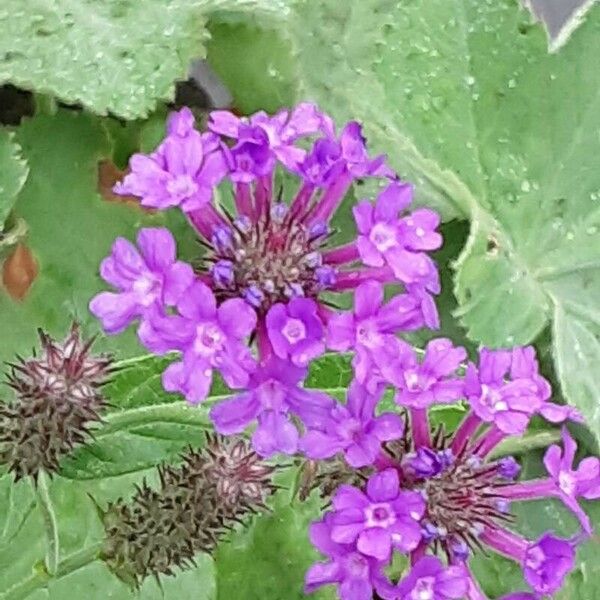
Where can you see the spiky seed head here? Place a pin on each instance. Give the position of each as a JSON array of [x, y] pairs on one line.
[[58, 401], [160, 531]]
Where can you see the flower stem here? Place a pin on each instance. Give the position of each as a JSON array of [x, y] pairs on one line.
[[50, 524], [420, 427]]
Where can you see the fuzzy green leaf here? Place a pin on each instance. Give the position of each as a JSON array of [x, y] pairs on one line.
[[13, 173], [117, 56], [467, 102]]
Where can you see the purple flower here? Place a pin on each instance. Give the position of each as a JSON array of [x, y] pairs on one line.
[[331, 158], [547, 562], [583, 481], [354, 574], [296, 331], [181, 172], [506, 389], [272, 397], [385, 239], [145, 282], [426, 462], [209, 337], [430, 580], [261, 139], [354, 429], [370, 329], [433, 381], [382, 518]]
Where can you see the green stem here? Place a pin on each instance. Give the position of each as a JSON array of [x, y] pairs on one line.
[[50, 525], [534, 441], [170, 412], [40, 577]]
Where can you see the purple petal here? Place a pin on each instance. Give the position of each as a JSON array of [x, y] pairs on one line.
[[552, 460], [224, 122], [321, 574], [452, 583], [368, 252], [181, 122], [115, 311], [199, 303], [157, 246], [341, 331], [177, 279], [363, 216], [235, 414], [318, 445], [368, 297], [347, 525], [383, 486], [275, 434], [237, 318], [375, 542], [388, 427], [348, 496], [394, 198], [356, 589]]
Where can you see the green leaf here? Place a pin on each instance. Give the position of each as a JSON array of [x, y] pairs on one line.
[[13, 173], [267, 561], [71, 228], [81, 529], [467, 102], [254, 64], [117, 56]]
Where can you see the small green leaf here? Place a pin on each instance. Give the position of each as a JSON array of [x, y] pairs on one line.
[[13, 173], [117, 56]]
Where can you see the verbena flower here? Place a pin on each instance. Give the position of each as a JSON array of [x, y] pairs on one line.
[[181, 172], [146, 280], [209, 337], [296, 331], [261, 306], [429, 579], [353, 429], [272, 398]]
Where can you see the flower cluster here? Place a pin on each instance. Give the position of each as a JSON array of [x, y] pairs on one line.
[[260, 306]]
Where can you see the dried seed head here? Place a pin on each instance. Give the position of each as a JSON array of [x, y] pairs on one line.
[[58, 399], [161, 530]]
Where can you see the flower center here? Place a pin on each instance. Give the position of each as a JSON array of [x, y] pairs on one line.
[[423, 589], [383, 237], [294, 331], [535, 558], [379, 515], [416, 381], [567, 483], [357, 566], [182, 187], [367, 334], [271, 261], [209, 339], [147, 288], [461, 499], [493, 398]]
